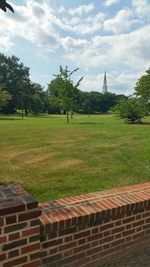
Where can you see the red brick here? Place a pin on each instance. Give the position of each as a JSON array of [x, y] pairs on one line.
[[11, 219], [36, 263], [130, 219], [138, 223], [30, 248], [128, 232], [118, 230], [13, 253], [82, 248], [30, 232], [82, 234], [68, 245], [117, 242], [29, 215], [2, 257], [2, 239], [68, 238], [106, 226], [14, 236], [15, 262]]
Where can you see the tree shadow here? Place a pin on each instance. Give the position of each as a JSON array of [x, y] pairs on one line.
[[145, 123], [9, 119], [87, 123]]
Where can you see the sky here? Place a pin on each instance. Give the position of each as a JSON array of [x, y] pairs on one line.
[[96, 36]]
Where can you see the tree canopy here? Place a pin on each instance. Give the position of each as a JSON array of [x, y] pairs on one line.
[[63, 92], [142, 90]]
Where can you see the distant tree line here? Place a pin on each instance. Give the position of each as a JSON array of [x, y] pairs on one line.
[[19, 94]]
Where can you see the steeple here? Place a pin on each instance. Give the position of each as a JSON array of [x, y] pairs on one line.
[[105, 84]]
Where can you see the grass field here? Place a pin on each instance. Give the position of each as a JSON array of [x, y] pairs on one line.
[[52, 160]]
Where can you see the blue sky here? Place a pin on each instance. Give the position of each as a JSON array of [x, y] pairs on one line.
[[96, 36]]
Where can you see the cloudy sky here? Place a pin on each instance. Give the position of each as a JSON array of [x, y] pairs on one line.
[[96, 36]]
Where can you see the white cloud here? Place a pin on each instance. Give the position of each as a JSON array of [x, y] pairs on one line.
[[121, 22], [109, 3], [5, 44], [32, 22], [81, 10], [142, 7]]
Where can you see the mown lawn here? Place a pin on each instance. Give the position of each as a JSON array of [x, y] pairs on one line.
[[52, 160]]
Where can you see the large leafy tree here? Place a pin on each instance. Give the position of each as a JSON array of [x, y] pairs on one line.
[[16, 78], [62, 91], [142, 90], [4, 6]]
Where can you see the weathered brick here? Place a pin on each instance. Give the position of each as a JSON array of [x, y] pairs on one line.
[[15, 227], [14, 236], [82, 234], [36, 263], [11, 219], [15, 262], [30, 248], [3, 239], [68, 245], [51, 243], [81, 248], [31, 232], [13, 253], [14, 244], [2, 257], [29, 215]]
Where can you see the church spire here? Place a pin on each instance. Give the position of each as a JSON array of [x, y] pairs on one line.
[[105, 84]]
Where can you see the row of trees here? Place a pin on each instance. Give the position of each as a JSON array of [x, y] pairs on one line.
[[19, 93]]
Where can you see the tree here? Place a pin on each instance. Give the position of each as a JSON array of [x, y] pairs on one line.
[[4, 5], [142, 90], [131, 110], [4, 97], [36, 102], [62, 91], [16, 78]]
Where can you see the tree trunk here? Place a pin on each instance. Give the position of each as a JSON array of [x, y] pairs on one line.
[[26, 111], [67, 116], [22, 113]]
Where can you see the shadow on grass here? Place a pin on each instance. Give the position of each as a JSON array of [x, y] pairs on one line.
[[9, 119], [87, 123], [144, 123]]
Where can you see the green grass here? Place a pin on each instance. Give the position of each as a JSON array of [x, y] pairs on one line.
[[53, 160]]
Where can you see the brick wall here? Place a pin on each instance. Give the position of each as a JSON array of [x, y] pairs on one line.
[[19, 228], [90, 229], [86, 230]]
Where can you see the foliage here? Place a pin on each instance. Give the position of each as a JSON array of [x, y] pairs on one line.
[[25, 94], [131, 110], [96, 102], [4, 97], [4, 5], [142, 90], [63, 92]]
